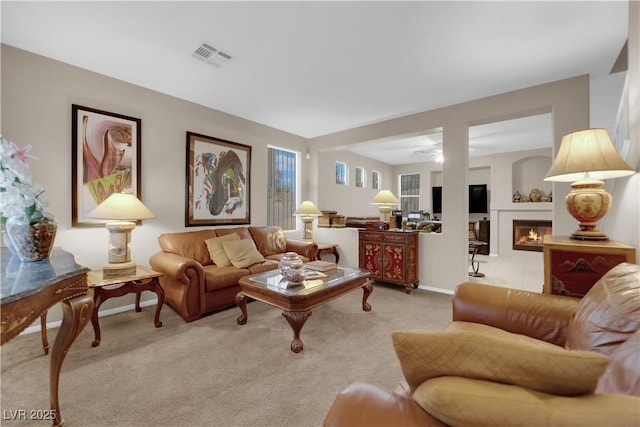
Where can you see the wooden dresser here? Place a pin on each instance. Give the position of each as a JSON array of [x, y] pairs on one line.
[[572, 267], [390, 256]]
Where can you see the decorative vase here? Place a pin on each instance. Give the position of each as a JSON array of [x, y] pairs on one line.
[[292, 268], [32, 241]]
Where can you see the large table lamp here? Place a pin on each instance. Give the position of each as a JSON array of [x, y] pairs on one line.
[[585, 158], [125, 208], [307, 211], [385, 201]]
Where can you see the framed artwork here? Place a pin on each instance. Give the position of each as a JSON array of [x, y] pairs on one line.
[[218, 181], [106, 160]]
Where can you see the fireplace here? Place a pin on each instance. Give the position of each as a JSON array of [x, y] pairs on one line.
[[527, 234]]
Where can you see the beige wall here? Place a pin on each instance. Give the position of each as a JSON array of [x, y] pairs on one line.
[[37, 94], [567, 100]]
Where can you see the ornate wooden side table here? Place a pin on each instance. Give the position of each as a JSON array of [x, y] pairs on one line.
[[328, 249], [29, 289], [145, 279]]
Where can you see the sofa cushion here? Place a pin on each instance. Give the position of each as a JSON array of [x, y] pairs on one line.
[[467, 402], [216, 251], [222, 277], [190, 244], [532, 364], [243, 232], [242, 253], [269, 240], [623, 371], [267, 265], [609, 313]]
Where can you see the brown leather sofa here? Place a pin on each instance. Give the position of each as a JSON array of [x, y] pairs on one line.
[[540, 360], [194, 285]]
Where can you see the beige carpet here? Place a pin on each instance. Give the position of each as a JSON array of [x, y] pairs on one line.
[[213, 372]]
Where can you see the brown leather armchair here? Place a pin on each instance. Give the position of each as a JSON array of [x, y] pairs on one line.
[[540, 360]]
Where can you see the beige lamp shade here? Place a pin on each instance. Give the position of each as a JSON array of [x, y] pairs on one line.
[[585, 158], [385, 198], [307, 208], [588, 151], [121, 206]]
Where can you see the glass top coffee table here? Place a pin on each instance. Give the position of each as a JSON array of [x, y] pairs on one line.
[[296, 302]]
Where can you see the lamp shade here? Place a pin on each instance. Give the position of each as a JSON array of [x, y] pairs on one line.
[[122, 206], [307, 208], [588, 151], [385, 198]]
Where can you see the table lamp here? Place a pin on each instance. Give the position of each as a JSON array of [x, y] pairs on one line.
[[307, 211], [586, 157], [126, 209], [385, 200]]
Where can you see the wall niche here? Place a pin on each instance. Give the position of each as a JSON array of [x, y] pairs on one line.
[[528, 174]]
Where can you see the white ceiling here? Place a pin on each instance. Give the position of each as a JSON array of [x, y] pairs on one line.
[[314, 68]]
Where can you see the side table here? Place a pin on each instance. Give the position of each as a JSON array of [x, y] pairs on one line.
[[328, 249], [475, 264], [145, 279]]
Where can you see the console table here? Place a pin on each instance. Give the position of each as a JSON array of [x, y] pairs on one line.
[[390, 256], [29, 289]]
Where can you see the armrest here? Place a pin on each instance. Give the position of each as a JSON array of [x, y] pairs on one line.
[[175, 266], [542, 316], [308, 249], [367, 405]]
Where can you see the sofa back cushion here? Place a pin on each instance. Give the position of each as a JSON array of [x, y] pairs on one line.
[[269, 240], [190, 244], [609, 313], [243, 232]]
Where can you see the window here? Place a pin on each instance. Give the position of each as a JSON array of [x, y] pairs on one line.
[[361, 176], [410, 192], [341, 173], [282, 187], [375, 180]]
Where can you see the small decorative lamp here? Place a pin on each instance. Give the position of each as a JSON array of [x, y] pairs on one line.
[[586, 157], [385, 200], [126, 208], [307, 211]]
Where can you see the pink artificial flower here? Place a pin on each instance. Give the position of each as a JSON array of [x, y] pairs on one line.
[[22, 154]]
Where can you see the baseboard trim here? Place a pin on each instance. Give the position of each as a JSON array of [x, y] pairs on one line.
[[438, 290], [35, 327]]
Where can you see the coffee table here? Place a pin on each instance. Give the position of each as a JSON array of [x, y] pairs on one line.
[[297, 302]]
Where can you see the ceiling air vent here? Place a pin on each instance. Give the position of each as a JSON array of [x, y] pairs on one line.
[[212, 55]]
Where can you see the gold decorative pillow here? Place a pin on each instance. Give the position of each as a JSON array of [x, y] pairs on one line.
[[216, 251], [466, 402], [242, 253], [547, 368]]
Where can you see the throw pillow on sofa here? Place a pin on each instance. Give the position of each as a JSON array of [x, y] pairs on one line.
[[534, 365], [242, 253], [216, 251], [463, 402]]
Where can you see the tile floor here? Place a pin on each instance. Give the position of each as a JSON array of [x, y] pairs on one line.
[[523, 270]]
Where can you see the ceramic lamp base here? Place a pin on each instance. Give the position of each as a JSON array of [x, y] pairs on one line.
[[588, 202]]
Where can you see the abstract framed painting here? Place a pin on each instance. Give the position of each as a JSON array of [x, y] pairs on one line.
[[106, 160], [217, 182]]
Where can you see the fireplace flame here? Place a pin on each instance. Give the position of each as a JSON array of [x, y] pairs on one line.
[[533, 235]]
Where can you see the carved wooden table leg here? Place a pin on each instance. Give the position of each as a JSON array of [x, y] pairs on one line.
[[296, 320], [97, 292], [43, 333], [160, 293], [241, 302], [368, 289], [76, 313]]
